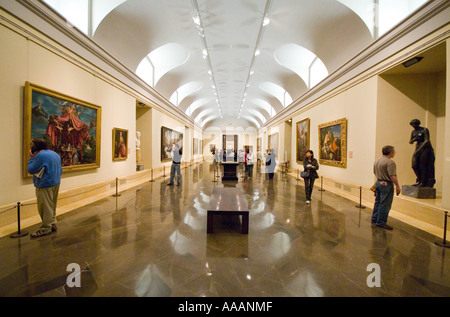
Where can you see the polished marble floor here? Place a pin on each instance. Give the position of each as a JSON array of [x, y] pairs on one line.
[[152, 241]]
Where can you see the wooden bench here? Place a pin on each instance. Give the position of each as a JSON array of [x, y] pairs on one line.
[[227, 201]]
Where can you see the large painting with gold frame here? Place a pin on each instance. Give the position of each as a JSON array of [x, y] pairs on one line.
[[169, 138], [120, 144], [333, 143], [70, 126], [302, 139]]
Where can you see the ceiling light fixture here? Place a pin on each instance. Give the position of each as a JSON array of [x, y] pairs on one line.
[[198, 23], [264, 22]]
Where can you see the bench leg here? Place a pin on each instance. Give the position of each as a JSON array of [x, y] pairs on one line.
[[210, 225], [245, 223]]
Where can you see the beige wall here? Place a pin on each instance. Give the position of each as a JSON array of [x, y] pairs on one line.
[[358, 106], [402, 98], [23, 60]]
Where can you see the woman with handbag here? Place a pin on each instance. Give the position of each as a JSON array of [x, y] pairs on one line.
[[309, 174]]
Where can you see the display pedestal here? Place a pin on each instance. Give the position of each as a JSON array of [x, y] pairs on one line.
[[419, 192], [230, 171]]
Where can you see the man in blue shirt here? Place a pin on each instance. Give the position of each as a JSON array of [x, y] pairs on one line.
[[45, 166]]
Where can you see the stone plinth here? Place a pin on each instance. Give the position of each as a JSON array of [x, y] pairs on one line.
[[419, 192]]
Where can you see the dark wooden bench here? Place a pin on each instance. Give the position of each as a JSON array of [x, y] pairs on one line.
[[227, 201]]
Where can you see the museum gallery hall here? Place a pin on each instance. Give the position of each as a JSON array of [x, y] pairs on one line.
[[224, 149]]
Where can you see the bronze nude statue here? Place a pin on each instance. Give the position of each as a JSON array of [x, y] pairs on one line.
[[423, 157]]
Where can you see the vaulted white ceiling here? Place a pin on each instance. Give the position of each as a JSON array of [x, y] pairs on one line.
[[237, 62]]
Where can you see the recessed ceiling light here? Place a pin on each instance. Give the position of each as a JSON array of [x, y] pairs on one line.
[[266, 21], [257, 52]]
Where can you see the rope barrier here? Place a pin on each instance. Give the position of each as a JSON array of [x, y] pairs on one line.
[[6, 210]]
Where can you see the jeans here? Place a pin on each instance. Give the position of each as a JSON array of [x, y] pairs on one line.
[[175, 168], [309, 185], [384, 195]]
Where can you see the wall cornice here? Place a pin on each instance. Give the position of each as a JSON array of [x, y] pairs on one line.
[[89, 55]]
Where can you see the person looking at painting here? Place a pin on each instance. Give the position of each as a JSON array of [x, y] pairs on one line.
[[385, 170], [175, 168], [310, 166], [250, 159], [45, 166]]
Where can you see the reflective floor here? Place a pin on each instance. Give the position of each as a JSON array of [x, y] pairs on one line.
[[152, 241]]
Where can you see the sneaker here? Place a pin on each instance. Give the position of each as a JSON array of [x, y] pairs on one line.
[[40, 233], [308, 202], [54, 228], [385, 226], [170, 184]]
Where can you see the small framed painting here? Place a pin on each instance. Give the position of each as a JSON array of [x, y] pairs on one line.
[[120, 144]]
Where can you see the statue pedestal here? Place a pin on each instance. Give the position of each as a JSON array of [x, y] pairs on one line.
[[419, 192]]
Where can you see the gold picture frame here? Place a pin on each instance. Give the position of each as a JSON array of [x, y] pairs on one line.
[[120, 144], [333, 143], [302, 139], [70, 126]]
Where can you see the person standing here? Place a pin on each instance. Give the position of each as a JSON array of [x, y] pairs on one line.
[[45, 166], [385, 170], [250, 161], [176, 162], [271, 163], [310, 165]]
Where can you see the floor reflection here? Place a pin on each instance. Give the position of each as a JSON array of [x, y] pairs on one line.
[[152, 241]]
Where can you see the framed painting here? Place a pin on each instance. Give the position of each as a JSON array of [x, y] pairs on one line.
[[70, 126], [120, 144], [272, 143], [169, 138], [333, 143], [302, 139], [195, 146]]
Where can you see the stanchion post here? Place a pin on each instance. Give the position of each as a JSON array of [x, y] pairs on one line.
[[360, 199], [321, 184], [164, 171], [18, 234], [152, 180], [117, 188], [298, 177], [444, 240]]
